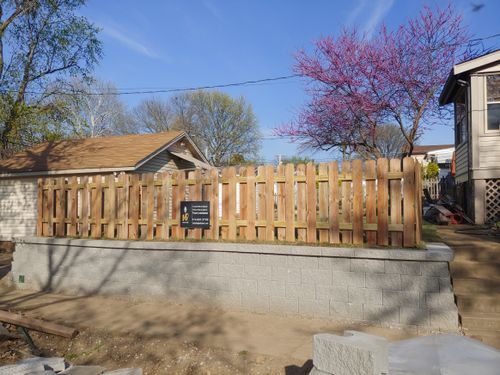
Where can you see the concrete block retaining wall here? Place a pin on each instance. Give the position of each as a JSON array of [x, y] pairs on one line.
[[396, 287]]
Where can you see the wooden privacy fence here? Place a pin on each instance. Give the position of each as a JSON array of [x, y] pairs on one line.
[[376, 202]]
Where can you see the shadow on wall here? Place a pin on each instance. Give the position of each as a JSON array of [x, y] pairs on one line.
[[116, 272]]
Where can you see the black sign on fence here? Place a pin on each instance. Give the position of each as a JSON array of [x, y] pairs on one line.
[[195, 214]]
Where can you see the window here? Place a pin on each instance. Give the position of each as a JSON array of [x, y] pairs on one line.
[[493, 101], [461, 124]]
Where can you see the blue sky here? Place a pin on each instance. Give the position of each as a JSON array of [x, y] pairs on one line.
[[185, 43]]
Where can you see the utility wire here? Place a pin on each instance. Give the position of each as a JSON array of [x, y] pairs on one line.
[[196, 88]]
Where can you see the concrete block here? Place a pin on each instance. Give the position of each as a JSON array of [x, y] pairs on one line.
[[83, 370], [206, 269], [402, 267], [383, 281], [438, 269], [410, 316], [352, 354], [333, 293], [228, 299], [231, 270], [217, 283], [444, 319], [382, 314], [301, 290], [255, 302], [445, 284], [335, 264], [316, 276], [248, 258], [349, 279], [439, 300], [314, 308], [243, 285], [258, 272], [289, 275], [391, 298], [367, 265], [21, 369], [419, 284], [272, 260], [302, 262], [275, 288], [51, 363], [365, 296], [343, 310], [284, 305]]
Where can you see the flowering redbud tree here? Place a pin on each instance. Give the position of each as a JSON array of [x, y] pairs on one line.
[[357, 84]]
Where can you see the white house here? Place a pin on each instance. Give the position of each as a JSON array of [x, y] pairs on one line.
[[474, 88]]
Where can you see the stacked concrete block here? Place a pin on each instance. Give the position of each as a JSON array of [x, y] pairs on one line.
[[388, 287], [355, 353]]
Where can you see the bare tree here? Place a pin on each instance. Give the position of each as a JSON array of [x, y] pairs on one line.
[[91, 109], [387, 142], [153, 116]]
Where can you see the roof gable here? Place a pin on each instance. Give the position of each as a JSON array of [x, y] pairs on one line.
[[91, 154]]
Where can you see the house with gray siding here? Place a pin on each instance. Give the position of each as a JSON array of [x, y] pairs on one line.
[[474, 89], [138, 153]]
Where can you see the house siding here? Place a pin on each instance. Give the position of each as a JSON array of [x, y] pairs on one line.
[[164, 162], [461, 161], [18, 207]]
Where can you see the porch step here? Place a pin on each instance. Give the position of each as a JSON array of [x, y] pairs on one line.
[[470, 269], [481, 321], [470, 303], [475, 285]]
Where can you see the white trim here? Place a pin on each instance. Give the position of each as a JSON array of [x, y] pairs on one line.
[[66, 171], [476, 63], [486, 102], [193, 160], [166, 146]]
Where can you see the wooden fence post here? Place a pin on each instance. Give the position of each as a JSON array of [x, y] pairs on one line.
[[357, 202], [134, 198], [280, 204], [346, 200], [371, 201], [382, 203], [333, 202], [96, 207], [150, 205], [73, 206], [301, 203], [323, 201], [418, 203], [261, 214], [289, 203], [311, 202], [214, 203], [39, 208], [408, 202], [395, 201], [243, 200], [163, 206], [251, 204], [85, 206], [269, 197]]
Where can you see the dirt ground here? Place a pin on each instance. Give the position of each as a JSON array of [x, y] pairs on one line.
[[164, 337]]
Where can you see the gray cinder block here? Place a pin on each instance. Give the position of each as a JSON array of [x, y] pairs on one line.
[[355, 353]]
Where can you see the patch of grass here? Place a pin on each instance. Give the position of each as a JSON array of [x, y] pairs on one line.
[[429, 233]]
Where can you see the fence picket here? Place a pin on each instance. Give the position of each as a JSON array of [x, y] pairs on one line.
[[301, 203], [96, 229], [346, 200], [289, 203], [418, 203], [231, 207], [269, 197], [60, 197], [280, 203], [371, 201], [395, 202], [357, 202], [261, 214], [150, 206], [251, 202], [408, 202], [110, 206], [311, 202], [382, 203], [85, 207], [134, 208], [243, 201], [214, 203], [333, 202], [39, 208], [73, 206], [323, 201]]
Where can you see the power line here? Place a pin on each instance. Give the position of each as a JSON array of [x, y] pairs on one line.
[[174, 90]]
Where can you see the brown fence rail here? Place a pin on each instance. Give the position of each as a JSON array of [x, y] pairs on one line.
[[373, 202]]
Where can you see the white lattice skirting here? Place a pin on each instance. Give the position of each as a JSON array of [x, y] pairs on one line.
[[492, 201]]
